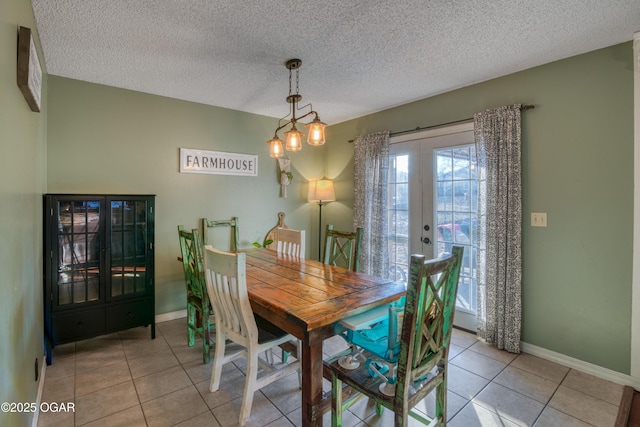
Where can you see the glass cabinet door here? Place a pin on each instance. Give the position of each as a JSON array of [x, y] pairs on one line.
[[129, 247], [78, 251]]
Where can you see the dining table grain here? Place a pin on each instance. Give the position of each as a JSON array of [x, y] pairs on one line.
[[308, 299]]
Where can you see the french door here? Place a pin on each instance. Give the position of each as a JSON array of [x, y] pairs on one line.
[[433, 205]]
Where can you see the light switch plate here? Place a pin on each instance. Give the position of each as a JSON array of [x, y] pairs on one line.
[[538, 219]]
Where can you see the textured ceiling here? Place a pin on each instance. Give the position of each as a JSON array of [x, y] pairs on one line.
[[359, 56]]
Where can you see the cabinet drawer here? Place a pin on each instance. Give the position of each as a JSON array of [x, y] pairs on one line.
[[129, 314], [75, 326]]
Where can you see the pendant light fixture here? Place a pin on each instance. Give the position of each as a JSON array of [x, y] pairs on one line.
[[294, 137]]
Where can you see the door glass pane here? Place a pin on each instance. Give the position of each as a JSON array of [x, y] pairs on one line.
[[444, 195], [78, 251], [128, 247], [456, 214], [398, 217]]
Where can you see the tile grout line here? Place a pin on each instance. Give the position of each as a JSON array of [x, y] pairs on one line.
[[182, 366], [133, 382], [470, 401], [211, 348], [492, 381]]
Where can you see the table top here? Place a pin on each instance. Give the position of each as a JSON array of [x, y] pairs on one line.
[[303, 296]]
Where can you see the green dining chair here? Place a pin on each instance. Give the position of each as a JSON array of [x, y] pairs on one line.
[[198, 307], [405, 357], [342, 248], [207, 230]]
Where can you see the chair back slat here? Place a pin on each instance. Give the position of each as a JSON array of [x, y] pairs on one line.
[[232, 224], [342, 248]]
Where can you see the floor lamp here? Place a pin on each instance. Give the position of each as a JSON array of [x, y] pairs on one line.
[[320, 192]]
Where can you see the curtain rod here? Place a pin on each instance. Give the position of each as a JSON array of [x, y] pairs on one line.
[[419, 128]]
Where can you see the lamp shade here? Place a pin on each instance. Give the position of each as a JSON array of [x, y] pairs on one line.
[[275, 147], [294, 140], [321, 191], [316, 132]]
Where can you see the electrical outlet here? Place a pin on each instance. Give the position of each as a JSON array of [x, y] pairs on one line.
[[538, 219]]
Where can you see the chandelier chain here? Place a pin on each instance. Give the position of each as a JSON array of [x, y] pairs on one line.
[[297, 81]]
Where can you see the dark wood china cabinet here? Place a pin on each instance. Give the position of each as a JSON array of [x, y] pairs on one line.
[[99, 265]]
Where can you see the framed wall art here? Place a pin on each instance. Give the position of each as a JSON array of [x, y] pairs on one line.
[[29, 70]]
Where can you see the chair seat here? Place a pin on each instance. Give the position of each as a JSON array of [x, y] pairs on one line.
[[267, 331], [377, 330], [363, 378], [376, 341], [366, 319]]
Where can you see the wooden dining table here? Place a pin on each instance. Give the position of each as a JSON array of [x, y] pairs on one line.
[[308, 299]]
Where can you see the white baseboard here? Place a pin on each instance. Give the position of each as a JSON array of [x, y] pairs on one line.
[[165, 317], [580, 365], [43, 370]]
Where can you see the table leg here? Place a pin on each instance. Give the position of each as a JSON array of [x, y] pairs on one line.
[[312, 385]]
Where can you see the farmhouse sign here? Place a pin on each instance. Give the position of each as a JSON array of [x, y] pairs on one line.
[[217, 162]]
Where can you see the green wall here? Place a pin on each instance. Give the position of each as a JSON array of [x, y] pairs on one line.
[[577, 167], [22, 182], [107, 140]]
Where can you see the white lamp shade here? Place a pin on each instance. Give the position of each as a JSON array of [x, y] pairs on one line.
[[321, 191]]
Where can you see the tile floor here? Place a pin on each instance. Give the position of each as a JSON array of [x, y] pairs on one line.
[[127, 379]]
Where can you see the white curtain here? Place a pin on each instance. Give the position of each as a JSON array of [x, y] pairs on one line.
[[371, 170], [498, 146]]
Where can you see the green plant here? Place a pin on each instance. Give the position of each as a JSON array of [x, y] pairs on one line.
[[289, 175], [264, 244]]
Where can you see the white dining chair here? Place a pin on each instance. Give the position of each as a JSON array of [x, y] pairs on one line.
[[226, 279], [290, 242]]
